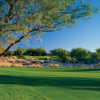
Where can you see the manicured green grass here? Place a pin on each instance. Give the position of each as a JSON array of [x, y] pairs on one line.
[[49, 84], [41, 57]]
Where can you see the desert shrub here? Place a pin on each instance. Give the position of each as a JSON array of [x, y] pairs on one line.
[[91, 66], [83, 66], [42, 61], [35, 65], [38, 65], [5, 61], [56, 65], [32, 66], [18, 65], [11, 60], [10, 57], [25, 66], [20, 61], [14, 57], [51, 65], [69, 59]]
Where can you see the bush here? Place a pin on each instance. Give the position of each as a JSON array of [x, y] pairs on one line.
[[14, 57], [69, 59], [42, 61], [83, 66], [56, 65], [38, 65], [51, 65], [32, 65], [91, 66]]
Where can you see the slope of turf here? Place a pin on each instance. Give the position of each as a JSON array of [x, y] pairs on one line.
[[49, 84]]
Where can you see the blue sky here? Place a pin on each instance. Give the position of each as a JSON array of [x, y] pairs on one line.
[[85, 34]]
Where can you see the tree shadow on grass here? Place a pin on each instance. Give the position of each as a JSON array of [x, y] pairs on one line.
[[75, 83]]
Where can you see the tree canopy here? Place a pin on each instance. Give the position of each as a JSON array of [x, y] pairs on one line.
[[19, 51], [80, 54], [60, 52], [25, 19], [31, 51]]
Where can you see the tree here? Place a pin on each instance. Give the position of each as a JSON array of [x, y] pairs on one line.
[[1, 48], [25, 19], [94, 55], [41, 51], [31, 51], [19, 51], [60, 52], [98, 50], [80, 54]]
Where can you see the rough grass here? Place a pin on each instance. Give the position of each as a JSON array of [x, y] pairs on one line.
[[49, 84]]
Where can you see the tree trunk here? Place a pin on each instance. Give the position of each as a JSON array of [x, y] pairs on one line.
[[17, 41]]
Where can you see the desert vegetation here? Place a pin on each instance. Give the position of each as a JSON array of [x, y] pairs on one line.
[[39, 57]]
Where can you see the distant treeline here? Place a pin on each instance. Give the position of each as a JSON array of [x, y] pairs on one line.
[[75, 55], [30, 51]]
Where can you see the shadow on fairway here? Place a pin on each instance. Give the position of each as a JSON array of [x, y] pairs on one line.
[[63, 82]]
